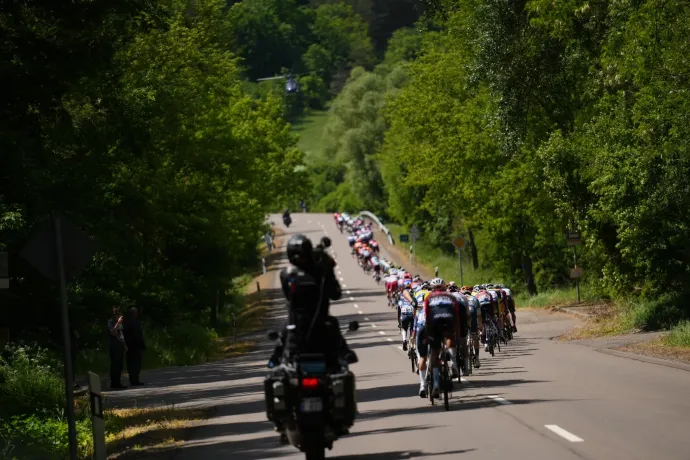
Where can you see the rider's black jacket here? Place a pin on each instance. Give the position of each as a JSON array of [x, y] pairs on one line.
[[309, 290]]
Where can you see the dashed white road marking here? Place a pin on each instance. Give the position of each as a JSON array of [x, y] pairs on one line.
[[564, 434], [344, 285], [352, 298], [390, 340], [356, 306], [366, 319], [342, 279], [500, 400], [347, 292], [360, 312], [382, 333], [374, 325]]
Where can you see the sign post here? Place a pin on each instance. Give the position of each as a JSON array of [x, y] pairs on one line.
[[59, 250], [4, 270], [459, 242], [234, 326], [574, 239], [97, 423]]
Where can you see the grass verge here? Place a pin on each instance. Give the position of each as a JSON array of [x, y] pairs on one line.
[[141, 432]]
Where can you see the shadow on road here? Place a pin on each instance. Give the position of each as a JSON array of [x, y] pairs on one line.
[[399, 455]]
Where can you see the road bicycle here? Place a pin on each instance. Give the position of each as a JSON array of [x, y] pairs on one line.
[[412, 354]]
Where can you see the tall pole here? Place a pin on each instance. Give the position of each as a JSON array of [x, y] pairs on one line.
[[577, 280], [69, 384], [460, 260]]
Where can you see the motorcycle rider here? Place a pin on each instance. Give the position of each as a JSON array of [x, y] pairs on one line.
[[309, 285]]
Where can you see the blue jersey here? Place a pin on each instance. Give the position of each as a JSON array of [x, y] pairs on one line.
[[406, 309], [419, 321], [472, 304]]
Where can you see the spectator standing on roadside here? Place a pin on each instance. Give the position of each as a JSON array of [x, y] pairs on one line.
[[269, 241], [134, 339], [117, 349]]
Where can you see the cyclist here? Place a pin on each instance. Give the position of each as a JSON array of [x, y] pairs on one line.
[[391, 284], [444, 321], [510, 301], [462, 303], [487, 308], [475, 323], [418, 338], [406, 307]]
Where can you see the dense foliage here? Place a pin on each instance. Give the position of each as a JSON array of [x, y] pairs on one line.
[[523, 119], [132, 119]]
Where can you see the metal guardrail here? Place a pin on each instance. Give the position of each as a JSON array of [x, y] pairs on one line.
[[383, 228]]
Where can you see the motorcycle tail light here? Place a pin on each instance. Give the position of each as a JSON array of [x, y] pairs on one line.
[[310, 383]]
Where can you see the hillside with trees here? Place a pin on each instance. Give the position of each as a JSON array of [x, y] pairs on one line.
[[517, 121]]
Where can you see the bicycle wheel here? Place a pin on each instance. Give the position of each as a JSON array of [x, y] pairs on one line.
[[446, 382]]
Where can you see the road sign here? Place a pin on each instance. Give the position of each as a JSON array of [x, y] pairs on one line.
[[576, 273], [404, 238], [459, 242], [40, 251], [574, 238], [4, 270]]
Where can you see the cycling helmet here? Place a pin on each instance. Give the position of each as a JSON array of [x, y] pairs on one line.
[[437, 283], [408, 276], [452, 283], [299, 250], [426, 285], [452, 288], [465, 292]]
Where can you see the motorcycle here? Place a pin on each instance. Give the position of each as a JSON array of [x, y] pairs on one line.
[[287, 220], [312, 406]]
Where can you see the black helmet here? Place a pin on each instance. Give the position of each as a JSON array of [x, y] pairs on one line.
[[299, 249]]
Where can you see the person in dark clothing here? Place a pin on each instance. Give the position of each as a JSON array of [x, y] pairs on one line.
[[309, 285], [117, 349], [134, 339]]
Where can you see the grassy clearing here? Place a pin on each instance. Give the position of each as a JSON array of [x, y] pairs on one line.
[[141, 430], [310, 130]]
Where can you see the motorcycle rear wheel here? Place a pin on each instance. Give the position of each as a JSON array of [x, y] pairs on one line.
[[315, 453]]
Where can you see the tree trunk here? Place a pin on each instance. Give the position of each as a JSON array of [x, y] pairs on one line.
[[529, 274], [214, 310], [473, 249]]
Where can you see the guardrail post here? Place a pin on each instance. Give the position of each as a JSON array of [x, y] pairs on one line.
[[97, 422]]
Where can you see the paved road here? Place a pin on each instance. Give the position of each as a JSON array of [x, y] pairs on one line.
[[537, 399]]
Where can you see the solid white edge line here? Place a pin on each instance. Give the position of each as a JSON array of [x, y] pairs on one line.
[[500, 400], [564, 434]]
